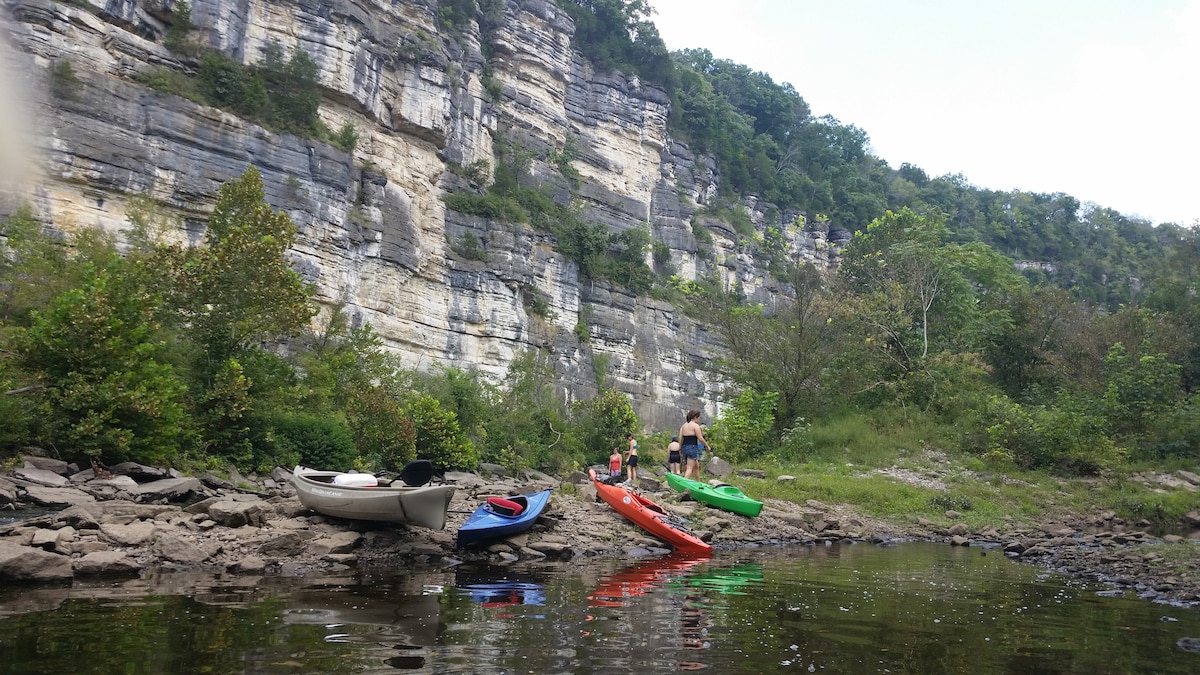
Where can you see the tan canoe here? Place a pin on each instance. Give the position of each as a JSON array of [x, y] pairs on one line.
[[425, 506]]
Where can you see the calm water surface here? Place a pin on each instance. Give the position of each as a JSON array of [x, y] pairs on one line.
[[914, 608]]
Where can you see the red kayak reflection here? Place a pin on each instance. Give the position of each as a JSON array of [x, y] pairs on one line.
[[643, 578]]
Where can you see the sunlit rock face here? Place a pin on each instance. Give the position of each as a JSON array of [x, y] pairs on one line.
[[374, 231]]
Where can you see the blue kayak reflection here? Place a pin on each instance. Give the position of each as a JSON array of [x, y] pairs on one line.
[[496, 588], [502, 593]]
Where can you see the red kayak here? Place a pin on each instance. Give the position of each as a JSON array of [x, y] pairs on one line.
[[647, 515]]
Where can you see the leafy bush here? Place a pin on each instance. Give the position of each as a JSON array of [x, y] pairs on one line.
[[950, 502], [490, 206], [1067, 438], [380, 429], [1174, 433], [468, 246], [281, 93], [318, 441], [176, 38], [170, 81], [346, 138], [744, 429], [106, 384], [604, 421], [438, 436], [227, 84]]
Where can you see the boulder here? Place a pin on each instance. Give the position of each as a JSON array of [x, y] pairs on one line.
[[286, 545], [339, 542], [216, 482], [8, 492], [58, 497], [489, 469], [752, 473], [47, 464], [99, 563], [138, 533], [250, 564], [103, 511], [79, 517], [175, 548], [718, 467], [40, 477], [44, 538], [115, 484], [22, 563], [171, 489], [239, 513], [139, 472]]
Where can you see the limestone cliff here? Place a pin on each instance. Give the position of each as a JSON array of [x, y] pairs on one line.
[[374, 231]]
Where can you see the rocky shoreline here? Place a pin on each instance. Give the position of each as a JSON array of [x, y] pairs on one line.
[[141, 519]]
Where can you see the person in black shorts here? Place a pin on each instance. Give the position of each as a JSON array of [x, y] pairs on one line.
[[631, 461], [674, 458]]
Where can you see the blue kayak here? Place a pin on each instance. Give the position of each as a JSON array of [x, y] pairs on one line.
[[501, 517]]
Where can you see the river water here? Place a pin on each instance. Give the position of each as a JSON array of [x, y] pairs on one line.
[[914, 608]]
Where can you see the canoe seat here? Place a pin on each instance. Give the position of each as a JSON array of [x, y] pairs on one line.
[[505, 507], [356, 480]]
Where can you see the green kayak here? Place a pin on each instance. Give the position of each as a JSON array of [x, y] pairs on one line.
[[725, 497]]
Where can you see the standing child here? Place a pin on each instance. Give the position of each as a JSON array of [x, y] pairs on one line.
[[614, 466], [632, 459], [674, 459]]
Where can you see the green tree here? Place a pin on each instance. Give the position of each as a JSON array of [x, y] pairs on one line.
[[787, 352], [604, 421], [239, 288], [1137, 389], [35, 267], [382, 433], [97, 354], [227, 84], [234, 294], [438, 435]]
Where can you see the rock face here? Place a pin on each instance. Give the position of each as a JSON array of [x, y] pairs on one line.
[[374, 231]]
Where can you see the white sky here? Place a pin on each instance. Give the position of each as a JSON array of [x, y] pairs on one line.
[[1099, 99]]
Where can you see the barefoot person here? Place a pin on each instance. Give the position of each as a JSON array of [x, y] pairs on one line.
[[691, 435], [631, 459], [674, 459]]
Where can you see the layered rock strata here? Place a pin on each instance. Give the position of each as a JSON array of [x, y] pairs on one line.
[[374, 231]]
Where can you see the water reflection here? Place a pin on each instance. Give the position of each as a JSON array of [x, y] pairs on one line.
[[847, 609], [615, 589], [493, 587]]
